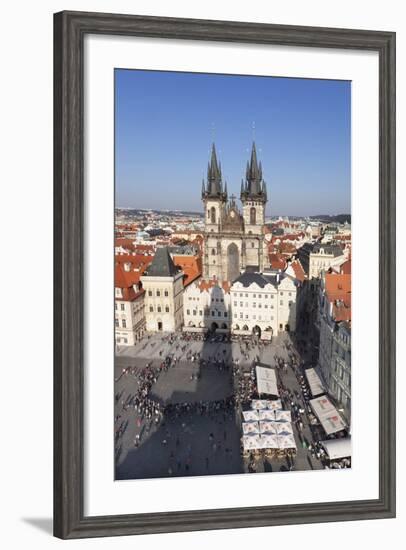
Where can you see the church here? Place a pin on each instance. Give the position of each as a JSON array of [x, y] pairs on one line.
[[233, 239]]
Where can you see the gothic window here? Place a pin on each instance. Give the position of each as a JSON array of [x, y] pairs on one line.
[[253, 216], [213, 214]]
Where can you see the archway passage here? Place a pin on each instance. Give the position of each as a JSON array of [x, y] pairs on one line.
[[159, 325], [214, 327], [233, 262], [256, 331]]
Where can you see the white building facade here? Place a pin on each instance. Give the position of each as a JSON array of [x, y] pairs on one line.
[[207, 305], [263, 304], [163, 285]]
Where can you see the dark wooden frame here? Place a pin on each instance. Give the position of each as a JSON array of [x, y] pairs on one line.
[[69, 31]]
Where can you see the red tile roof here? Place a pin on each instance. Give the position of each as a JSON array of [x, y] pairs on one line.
[[338, 292], [126, 280], [345, 268], [191, 267], [277, 261], [298, 269], [210, 283]]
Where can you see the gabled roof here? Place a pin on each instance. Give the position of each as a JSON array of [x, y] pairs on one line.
[[206, 284], [162, 265]]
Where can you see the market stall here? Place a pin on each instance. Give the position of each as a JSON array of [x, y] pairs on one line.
[[315, 384]]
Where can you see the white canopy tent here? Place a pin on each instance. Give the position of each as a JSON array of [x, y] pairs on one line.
[[327, 414], [251, 442], [266, 415], [275, 404], [259, 404], [316, 387], [250, 428], [269, 441], [267, 427], [284, 428], [333, 423], [266, 380], [250, 416], [337, 448], [283, 416]]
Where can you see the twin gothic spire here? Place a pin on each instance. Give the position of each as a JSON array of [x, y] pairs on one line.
[[254, 186]]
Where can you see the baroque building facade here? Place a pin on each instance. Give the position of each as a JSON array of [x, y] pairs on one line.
[[234, 240]]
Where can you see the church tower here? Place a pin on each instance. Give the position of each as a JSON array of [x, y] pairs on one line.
[[214, 198], [254, 199]]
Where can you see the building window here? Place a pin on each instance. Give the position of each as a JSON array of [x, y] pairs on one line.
[[125, 340], [200, 312], [235, 303], [213, 214], [252, 245], [115, 305], [167, 309], [166, 293], [149, 292], [158, 292], [225, 314], [117, 323], [241, 304], [188, 311], [219, 314], [253, 216], [213, 251], [194, 311], [124, 323], [254, 304], [122, 307], [281, 303], [159, 309], [151, 309]]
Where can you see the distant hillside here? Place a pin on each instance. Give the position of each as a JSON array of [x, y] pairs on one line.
[[339, 218]]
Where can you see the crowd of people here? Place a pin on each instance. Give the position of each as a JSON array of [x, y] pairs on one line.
[[149, 412]]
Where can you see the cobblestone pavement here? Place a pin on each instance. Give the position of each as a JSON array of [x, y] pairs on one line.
[[193, 444]]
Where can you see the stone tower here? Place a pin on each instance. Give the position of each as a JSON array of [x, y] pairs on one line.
[[254, 199]]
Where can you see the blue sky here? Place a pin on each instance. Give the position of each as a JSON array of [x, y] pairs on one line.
[[165, 123]]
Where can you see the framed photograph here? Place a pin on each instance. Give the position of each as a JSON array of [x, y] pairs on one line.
[[224, 274]]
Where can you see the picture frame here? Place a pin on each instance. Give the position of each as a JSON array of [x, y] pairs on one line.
[[70, 29]]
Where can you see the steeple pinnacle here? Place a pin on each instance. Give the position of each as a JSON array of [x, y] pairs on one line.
[[253, 179], [214, 186]]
